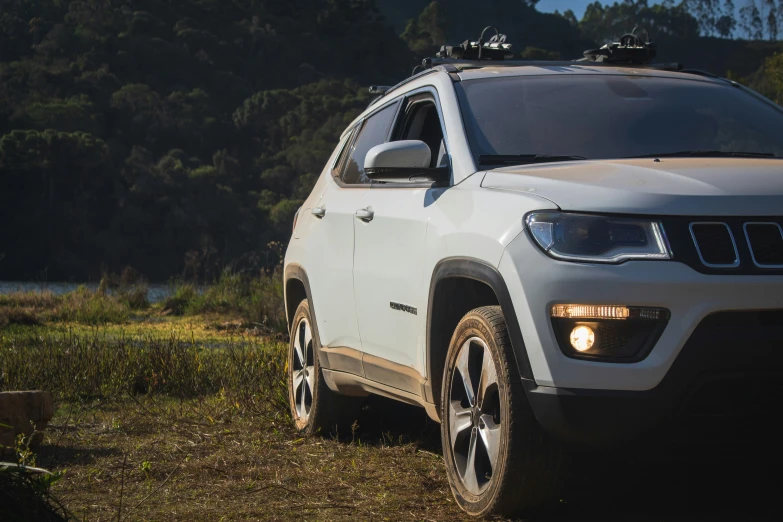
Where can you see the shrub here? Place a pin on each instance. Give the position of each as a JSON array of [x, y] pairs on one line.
[[180, 299], [88, 307], [257, 300]]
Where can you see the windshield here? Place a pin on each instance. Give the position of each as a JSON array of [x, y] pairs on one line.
[[612, 116]]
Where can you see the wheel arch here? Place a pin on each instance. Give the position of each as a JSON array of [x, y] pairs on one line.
[[482, 285], [296, 286]]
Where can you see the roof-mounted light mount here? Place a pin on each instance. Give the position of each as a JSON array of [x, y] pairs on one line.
[[631, 49], [495, 48]]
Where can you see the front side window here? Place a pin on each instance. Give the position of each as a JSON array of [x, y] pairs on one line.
[[613, 116], [374, 132], [422, 122]]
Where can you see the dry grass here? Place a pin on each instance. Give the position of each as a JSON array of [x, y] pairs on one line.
[[162, 423], [189, 430], [210, 460]]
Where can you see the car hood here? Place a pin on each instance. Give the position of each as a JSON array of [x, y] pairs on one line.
[[668, 186]]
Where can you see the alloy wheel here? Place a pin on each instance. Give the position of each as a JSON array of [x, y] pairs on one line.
[[474, 415], [303, 370]]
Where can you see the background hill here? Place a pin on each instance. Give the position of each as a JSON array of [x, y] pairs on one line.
[[179, 137]]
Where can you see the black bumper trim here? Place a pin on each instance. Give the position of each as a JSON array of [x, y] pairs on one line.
[[729, 375]]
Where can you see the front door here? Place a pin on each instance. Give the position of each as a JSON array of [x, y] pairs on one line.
[[390, 281]]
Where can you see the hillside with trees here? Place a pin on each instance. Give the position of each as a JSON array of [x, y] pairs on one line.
[[180, 137]]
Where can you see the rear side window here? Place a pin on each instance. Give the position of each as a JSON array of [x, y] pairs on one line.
[[374, 132], [344, 147]]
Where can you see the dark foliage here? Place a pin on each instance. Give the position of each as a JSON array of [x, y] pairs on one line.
[[180, 137], [25, 496], [143, 133]]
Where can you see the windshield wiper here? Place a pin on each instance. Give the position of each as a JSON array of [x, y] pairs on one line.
[[523, 159], [706, 154]]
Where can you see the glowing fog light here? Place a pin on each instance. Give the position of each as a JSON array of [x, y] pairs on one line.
[[579, 311], [582, 338]]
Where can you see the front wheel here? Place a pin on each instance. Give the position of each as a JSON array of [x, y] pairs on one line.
[[314, 407], [498, 459]]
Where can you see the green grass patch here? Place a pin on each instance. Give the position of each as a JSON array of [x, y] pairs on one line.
[[98, 365]]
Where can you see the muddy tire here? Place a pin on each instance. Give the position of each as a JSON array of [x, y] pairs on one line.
[[498, 459], [314, 407]]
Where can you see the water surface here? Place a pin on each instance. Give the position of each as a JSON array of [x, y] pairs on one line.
[[157, 292]]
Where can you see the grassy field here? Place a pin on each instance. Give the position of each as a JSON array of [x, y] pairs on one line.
[[177, 411]]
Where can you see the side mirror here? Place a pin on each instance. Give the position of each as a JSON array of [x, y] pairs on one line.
[[405, 161]]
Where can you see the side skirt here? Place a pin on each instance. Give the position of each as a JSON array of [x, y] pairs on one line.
[[349, 384]]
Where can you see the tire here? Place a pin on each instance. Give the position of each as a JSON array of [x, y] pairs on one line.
[[499, 461], [314, 407]]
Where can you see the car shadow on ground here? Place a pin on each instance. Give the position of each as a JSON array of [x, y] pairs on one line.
[[686, 484], [650, 484]]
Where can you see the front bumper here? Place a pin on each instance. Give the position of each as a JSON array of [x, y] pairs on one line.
[[725, 385], [720, 354]]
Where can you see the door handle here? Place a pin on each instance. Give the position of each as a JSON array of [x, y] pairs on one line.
[[365, 214], [318, 212]]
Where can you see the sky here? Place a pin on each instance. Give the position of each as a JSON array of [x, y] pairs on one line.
[[577, 6]]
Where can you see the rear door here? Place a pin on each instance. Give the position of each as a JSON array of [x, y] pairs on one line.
[[390, 282]]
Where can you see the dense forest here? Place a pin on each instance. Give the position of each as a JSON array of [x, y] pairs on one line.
[[180, 137]]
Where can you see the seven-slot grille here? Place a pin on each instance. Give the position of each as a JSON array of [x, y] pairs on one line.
[[716, 243], [766, 244]]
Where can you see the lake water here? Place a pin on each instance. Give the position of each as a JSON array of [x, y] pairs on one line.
[[157, 292]]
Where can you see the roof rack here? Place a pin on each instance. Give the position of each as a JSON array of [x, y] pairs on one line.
[[461, 65], [495, 48], [631, 50]]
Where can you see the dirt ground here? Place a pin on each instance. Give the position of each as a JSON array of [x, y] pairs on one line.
[[210, 460]]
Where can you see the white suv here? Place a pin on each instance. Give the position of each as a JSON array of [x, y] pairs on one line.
[[543, 255]]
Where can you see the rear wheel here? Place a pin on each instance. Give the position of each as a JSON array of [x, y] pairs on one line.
[[314, 407], [498, 459]]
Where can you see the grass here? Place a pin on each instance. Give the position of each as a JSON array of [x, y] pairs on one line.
[[166, 459], [235, 302], [184, 417], [80, 306], [99, 366], [178, 411], [154, 428]]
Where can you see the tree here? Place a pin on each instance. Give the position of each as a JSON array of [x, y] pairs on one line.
[[608, 23], [425, 34]]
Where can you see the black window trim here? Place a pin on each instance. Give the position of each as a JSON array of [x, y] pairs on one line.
[[432, 94], [356, 130], [426, 92], [339, 159], [402, 101]]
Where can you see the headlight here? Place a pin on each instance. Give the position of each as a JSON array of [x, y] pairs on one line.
[[597, 239]]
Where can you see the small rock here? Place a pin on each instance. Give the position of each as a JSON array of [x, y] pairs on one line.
[[25, 412]]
